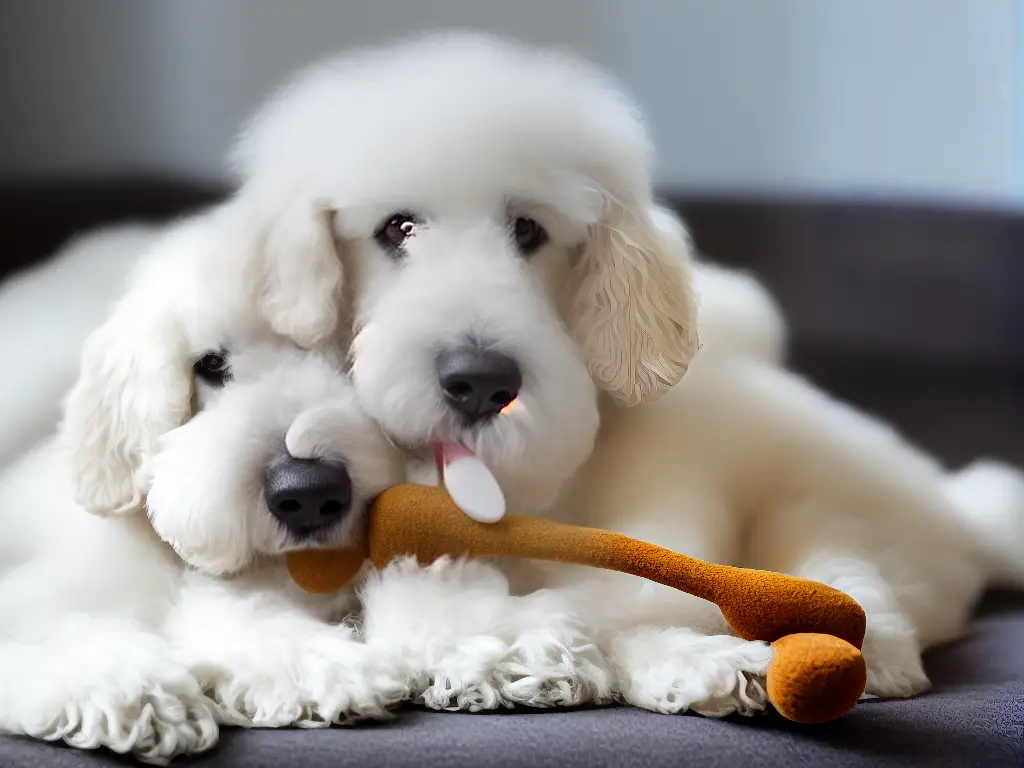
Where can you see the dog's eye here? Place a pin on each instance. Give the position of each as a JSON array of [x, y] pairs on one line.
[[213, 368], [529, 235], [391, 236]]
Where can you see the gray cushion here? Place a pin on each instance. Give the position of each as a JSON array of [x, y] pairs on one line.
[[974, 717]]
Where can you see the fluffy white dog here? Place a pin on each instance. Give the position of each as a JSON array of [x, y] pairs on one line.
[[206, 445], [482, 214], [109, 639], [500, 246]]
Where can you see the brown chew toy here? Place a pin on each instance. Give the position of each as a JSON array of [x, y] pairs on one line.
[[817, 673]]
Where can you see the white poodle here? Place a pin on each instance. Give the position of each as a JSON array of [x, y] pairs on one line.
[[206, 445], [482, 215], [108, 639]]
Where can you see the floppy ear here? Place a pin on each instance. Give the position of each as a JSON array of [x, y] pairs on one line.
[[134, 385], [634, 310], [303, 275]]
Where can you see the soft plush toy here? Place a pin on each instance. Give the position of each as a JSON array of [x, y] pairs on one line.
[[817, 673]]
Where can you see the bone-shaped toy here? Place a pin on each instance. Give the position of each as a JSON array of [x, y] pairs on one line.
[[817, 673]]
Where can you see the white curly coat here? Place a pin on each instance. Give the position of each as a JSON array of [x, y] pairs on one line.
[[143, 633], [109, 638], [740, 462]]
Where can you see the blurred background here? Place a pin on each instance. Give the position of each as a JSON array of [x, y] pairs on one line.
[[891, 98], [864, 157]]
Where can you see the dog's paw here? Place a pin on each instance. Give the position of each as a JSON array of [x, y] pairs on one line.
[[472, 646], [894, 665], [323, 680], [150, 708], [555, 666], [543, 667], [677, 670]]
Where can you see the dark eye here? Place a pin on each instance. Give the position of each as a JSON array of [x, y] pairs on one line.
[[391, 236], [213, 368], [529, 235]]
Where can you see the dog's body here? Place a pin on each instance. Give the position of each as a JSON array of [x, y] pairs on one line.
[[511, 224], [143, 633], [759, 469], [499, 276], [45, 315], [742, 463]]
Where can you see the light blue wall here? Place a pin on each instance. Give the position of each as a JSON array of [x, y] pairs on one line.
[[903, 97], [163, 84], [908, 98]]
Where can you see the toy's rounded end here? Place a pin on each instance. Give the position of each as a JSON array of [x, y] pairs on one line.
[[815, 678], [324, 571]]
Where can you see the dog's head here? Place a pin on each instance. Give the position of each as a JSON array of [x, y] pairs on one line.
[[489, 214], [236, 442]]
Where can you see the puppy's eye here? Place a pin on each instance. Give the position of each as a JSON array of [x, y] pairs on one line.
[[393, 233], [213, 368], [529, 235]]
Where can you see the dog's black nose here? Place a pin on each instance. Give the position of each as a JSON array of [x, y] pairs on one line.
[[307, 495], [478, 383]]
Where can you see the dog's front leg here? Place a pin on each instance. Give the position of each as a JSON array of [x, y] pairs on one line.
[[671, 652], [269, 660], [470, 645]]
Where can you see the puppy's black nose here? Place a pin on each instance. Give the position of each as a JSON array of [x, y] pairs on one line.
[[307, 495], [476, 382]]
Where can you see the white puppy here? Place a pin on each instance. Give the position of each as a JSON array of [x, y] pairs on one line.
[[206, 445], [486, 210]]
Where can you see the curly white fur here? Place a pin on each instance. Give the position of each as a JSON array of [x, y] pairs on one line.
[[739, 462], [633, 307], [249, 650], [145, 626]]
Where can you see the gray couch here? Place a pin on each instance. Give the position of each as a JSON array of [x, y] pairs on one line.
[[909, 312]]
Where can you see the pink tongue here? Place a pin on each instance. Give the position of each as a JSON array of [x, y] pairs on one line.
[[446, 453], [469, 482]]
